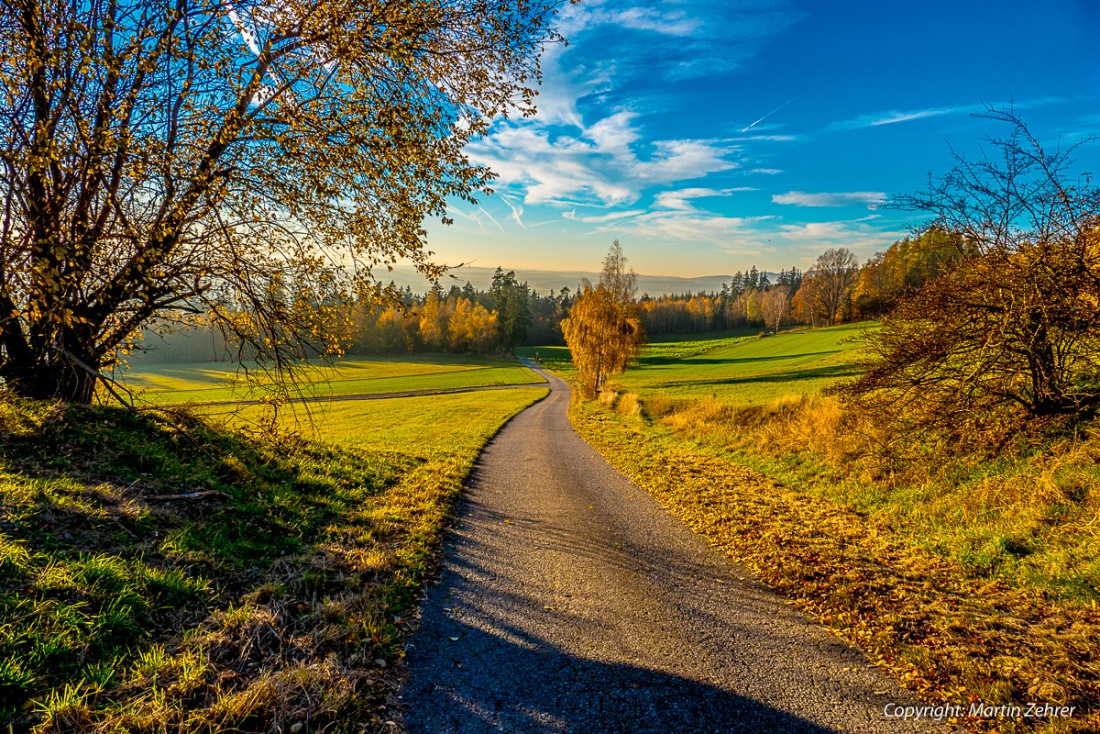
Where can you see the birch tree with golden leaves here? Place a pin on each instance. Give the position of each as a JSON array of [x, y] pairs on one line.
[[604, 329], [253, 162]]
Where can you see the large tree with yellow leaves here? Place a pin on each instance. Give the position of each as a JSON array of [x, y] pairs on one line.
[[252, 162]]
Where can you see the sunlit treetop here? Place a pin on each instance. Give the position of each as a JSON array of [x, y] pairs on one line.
[[250, 163]]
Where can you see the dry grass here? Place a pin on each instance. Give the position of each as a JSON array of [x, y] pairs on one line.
[[626, 404], [791, 423], [1028, 515]]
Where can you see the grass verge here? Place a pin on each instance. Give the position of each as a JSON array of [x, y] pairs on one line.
[[164, 573]]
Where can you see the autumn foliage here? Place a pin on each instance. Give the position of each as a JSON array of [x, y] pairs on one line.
[[1009, 335], [604, 334], [249, 163], [604, 330]]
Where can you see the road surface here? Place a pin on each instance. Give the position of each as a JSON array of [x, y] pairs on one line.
[[570, 601]]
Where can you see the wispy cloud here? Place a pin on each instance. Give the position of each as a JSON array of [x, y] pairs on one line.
[[774, 138], [871, 199], [576, 20], [690, 41], [681, 199], [893, 117], [759, 236], [907, 116], [675, 23], [478, 217], [863, 236], [695, 226], [592, 145], [488, 216], [603, 218]]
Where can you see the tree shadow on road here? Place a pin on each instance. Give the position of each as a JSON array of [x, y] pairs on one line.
[[486, 682], [510, 673]]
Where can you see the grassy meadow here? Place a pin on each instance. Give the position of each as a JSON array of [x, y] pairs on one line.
[[970, 578], [216, 382], [171, 571], [746, 370]]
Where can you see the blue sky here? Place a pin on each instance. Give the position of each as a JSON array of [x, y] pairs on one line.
[[709, 136]]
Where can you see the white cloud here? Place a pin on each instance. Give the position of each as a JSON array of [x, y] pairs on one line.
[[489, 216], [684, 22], [613, 135], [695, 226], [680, 199], [679, 160], [771, 138], [649, 19], [896, 117], [551, 170], [871, 199], [478, 217], [560, 89], [693, 38], [517, 211], [891, 117], [760, 234], [604, 161], [586, 148], [604, 218], [863, 236]]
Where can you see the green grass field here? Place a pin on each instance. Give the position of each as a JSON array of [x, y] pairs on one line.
[[739, 369], [745, 370], [174, 573], [213, 382]]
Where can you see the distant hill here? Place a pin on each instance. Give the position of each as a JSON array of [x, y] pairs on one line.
[[545, 280]]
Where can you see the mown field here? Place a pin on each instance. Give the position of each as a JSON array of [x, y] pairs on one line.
[[216, 382], [174, 572], [971, 579]]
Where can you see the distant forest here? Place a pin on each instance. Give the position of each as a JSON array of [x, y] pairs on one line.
[[510, 313]]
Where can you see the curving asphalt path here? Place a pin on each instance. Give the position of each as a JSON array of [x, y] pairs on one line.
[[570, 601]]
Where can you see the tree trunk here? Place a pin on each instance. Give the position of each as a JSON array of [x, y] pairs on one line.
[[54, 381]]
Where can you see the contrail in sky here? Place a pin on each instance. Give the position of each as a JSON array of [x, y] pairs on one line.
[[750, 127]]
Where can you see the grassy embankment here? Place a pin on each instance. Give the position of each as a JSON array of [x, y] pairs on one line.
[[970, 579], [157, 579]]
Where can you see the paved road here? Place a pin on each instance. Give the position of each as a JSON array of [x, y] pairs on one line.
[[570, 601]]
